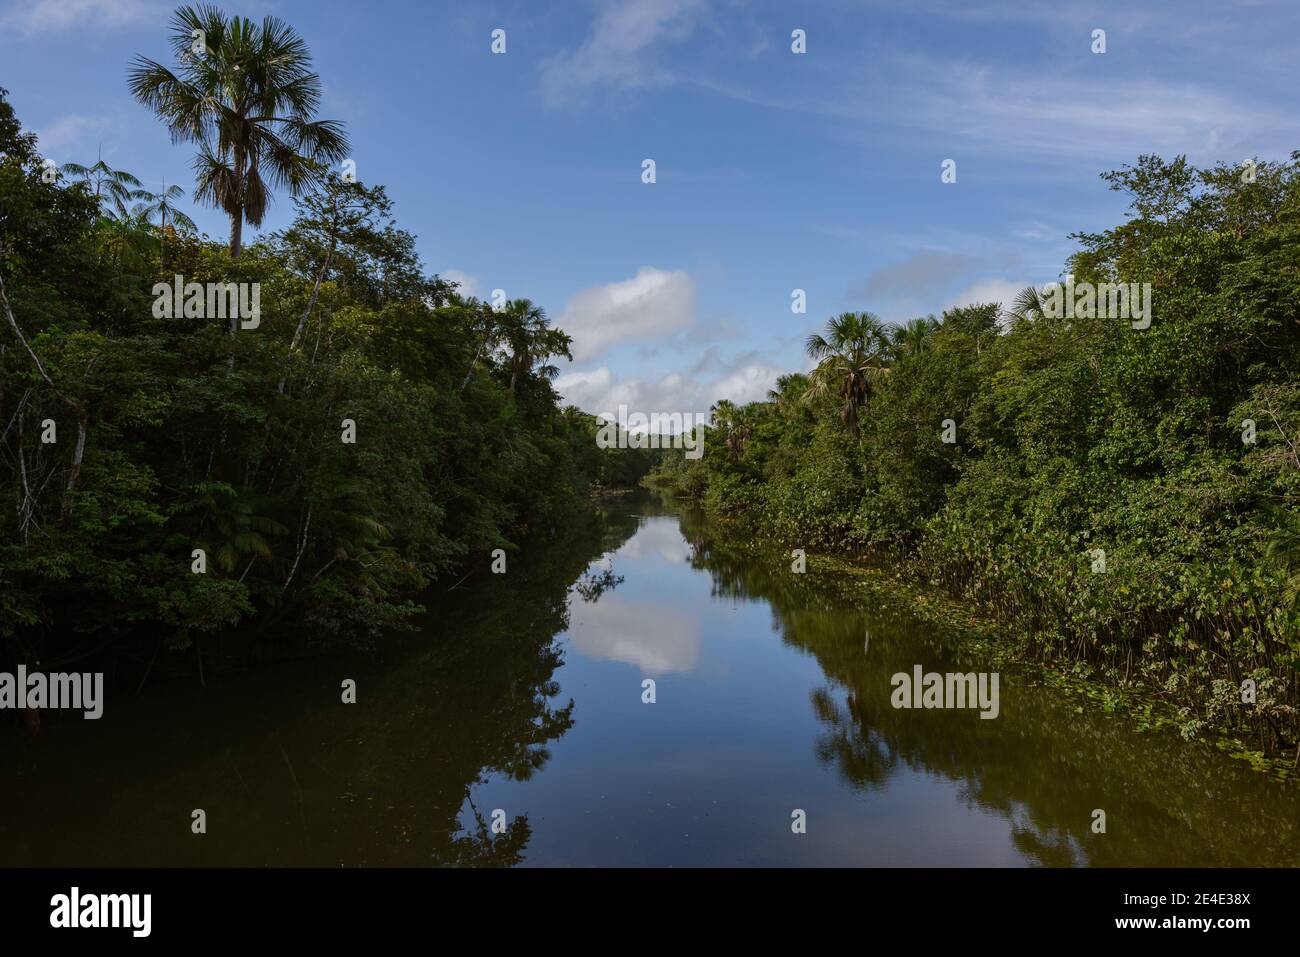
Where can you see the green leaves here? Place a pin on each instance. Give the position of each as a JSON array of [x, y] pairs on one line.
[[185, 450], [243, 93], [1075, 434]]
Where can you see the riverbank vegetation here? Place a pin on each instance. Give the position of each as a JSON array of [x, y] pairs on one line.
[[369, 432], [861, 624], [1124, 502]]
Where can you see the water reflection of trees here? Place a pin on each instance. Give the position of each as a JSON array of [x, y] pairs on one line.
[[486, 703], [592, 585], [1042, 764], [289, 775]]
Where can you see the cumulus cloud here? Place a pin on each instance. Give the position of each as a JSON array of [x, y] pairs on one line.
[[992, 289], [652, 303], [469, 285], [744, 378], [658, 541], [649, 636], [617, 51]]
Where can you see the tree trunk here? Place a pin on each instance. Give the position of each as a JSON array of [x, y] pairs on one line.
[[470, 372], [28, 507], [302, 547], [236, 237], [13, 323], [80, 450], [236, 234], [311, 304]]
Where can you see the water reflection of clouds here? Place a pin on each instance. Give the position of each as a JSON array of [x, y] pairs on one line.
[[659, 538], [655, 639]]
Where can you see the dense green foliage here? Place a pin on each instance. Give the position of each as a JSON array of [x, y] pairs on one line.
[[128, 441], [1074, 437]]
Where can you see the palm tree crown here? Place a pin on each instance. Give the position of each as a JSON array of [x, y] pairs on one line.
[[248, 100], [734, 423], [163, 206], [111, 185], [527, 333], [788, 386], [852, 359], [912, 338]]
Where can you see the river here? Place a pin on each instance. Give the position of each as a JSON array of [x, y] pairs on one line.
[[520, 702]]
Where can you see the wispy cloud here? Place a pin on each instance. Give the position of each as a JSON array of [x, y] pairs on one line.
[[915, 275], [1082, 115], [52, 16], [1065, 110], [617, 53], [75, 132]]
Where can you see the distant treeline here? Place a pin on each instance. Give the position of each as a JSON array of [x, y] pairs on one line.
[[1123, 498], [372, 430]]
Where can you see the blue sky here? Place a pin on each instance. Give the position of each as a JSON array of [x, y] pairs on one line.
[[775, 170]]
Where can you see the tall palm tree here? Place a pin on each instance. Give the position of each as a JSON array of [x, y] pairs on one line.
[[111, 185], [531, 340], [248, 102], [852, 360]]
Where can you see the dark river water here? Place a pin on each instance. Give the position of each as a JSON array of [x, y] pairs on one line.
[[520, 701]]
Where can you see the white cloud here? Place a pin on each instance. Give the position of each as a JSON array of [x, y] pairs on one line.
[[655, 639], [585, 389], [652, 303], [745, 378], [469, 285], [615, 53], [656, 540], [746, 383], [49, 16], [992, 289]]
